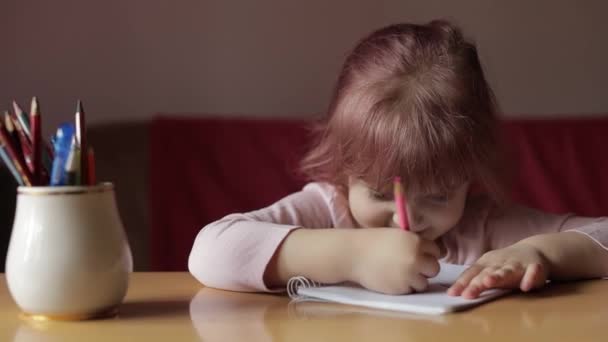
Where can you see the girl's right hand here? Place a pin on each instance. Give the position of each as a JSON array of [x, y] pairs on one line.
[[393, 261]]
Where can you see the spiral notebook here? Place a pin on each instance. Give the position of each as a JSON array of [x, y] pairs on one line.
[[433, 301]]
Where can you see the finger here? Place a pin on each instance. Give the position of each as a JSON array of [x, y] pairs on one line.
[[476, 285], [534, 277], [429, 266], [507, 277], [499, 276], [419, 283], [430, 248], [464, 280]]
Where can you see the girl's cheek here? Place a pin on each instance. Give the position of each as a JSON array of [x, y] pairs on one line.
[[360, 215], [370, 220], [443, 221], [452, 219], [369, 217]]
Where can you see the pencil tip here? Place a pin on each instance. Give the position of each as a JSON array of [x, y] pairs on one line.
[[8, 122], [79, 107], [35, 108], [16, 108]]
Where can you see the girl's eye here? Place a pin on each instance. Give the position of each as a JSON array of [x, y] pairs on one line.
[[439, 198], [378, 195]]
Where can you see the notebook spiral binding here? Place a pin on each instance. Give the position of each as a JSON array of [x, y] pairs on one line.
[[294, 283]]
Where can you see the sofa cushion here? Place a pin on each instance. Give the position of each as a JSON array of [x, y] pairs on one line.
[[203, 168]]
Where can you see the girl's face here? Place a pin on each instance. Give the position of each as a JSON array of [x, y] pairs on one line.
[[430, 214]]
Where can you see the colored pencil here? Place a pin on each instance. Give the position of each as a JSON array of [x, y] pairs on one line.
[[23, 120], [25, 146], [27, 152], [17, 159], [400, 203], [9, 165], [81, 140], [36, 130], [72, 165], [13, 133]]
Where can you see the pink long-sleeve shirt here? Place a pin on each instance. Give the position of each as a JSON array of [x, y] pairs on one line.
[[233, 253]]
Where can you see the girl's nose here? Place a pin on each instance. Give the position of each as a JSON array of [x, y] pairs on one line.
[[415, 219]]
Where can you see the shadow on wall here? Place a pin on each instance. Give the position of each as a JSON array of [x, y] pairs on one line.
[[121, 152]]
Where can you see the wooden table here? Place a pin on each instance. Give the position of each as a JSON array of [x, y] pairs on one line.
[[174, 307]]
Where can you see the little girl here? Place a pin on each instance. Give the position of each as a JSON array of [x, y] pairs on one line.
[[411, 101]]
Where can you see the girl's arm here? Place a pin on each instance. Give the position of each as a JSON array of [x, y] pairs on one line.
[[385, 260], [261, 250], [529, 247], [233, 253], [321, 254], [570, 255]]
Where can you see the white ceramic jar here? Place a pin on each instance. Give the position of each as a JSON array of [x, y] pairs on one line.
[[68, 256]]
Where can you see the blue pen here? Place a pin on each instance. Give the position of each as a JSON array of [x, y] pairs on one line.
[[61, 144]]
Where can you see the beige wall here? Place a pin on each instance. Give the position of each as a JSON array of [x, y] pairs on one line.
[[131, 58]]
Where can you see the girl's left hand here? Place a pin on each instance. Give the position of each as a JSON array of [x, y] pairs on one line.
[[518, 266]]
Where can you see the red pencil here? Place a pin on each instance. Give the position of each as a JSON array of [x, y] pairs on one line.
[[12, 133], [24, 143], [26, 148], [81, 140], [17, 159], [35, 121], [401, 204], [23, 120]]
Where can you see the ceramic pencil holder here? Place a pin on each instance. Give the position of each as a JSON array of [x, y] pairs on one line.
[[68, 257]]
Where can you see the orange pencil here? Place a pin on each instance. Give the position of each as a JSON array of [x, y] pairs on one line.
[[400, 203], [36, 131]]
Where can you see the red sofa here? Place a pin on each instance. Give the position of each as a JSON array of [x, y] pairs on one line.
[[204, 168]]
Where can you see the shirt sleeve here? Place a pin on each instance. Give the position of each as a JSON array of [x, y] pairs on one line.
[[233, 253], [486, 226], [507, 226]]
